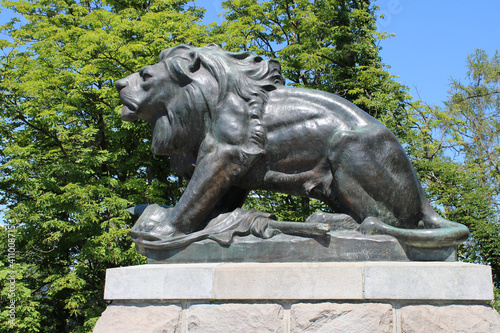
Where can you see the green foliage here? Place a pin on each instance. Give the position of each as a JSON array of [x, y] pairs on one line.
[[284, 206], [496, 302], [475, 105], [12, 271], [69, 165]]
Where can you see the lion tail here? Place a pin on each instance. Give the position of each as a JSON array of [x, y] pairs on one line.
[[440, 233]]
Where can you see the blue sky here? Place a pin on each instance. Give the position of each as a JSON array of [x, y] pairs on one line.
[[433, 40]]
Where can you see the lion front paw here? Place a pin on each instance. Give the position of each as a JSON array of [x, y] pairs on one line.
[[154, 224]]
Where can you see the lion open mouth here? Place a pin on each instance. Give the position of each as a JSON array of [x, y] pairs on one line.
[[129, 113]]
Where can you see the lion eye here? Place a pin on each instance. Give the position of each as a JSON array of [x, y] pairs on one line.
[[144, 74]]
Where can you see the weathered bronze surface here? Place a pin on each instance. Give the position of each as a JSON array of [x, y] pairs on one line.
[[334, 246], [230, 125]]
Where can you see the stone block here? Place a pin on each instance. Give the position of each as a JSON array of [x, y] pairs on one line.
[[302, 281], [300, 297], [132, 317], [427, 281], [182, 281], [286, 281], [449, 318], [235, 318], [341, 317]]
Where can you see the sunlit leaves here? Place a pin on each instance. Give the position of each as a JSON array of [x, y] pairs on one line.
[[476, 103]]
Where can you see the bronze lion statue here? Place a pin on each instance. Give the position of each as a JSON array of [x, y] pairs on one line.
[[230, 125]]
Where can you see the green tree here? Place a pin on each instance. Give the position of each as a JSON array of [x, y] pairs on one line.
[[69, 165], [475, 106]]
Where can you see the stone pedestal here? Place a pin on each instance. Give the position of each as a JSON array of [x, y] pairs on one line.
[[300, 297]]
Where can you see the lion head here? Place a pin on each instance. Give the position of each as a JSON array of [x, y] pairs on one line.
[[190, 88]]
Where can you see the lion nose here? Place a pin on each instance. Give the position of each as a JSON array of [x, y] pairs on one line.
[[120, 84]]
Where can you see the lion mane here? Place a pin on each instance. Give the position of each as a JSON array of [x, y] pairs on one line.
[[241, 74]]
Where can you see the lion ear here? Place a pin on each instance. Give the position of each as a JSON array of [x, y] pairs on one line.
[[180, 71], [195, 63]]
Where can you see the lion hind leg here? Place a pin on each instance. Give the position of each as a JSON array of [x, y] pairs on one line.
[[445, 233]]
